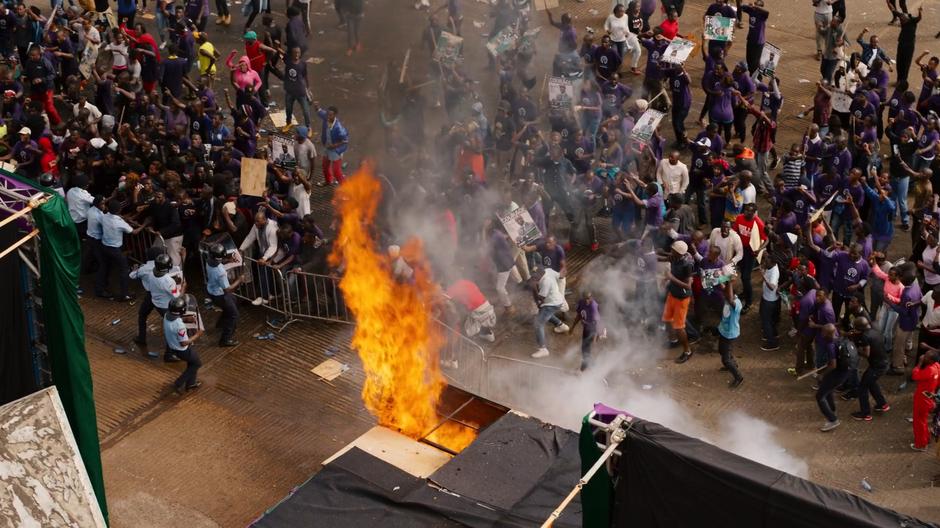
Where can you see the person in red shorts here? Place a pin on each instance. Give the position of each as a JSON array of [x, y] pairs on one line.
[[678, 297]]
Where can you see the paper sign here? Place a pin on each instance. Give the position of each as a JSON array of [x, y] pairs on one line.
[[719, 28], [282, 151], [520, 227], [646, 125], [329, 370], [254, 176], [280, 119], [716, 277], [448, 49], [560, 93], [769, 59], [841, 101], [678, 51]]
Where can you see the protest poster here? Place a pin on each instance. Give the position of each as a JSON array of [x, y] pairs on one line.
[[254, 176], [678, 51], [646, 125], [716, 277], [447, 50], [718, 28], [282, 151], [769, 59], [520, 227], [560, 93], [192, 318], [503, 40], [841, 101]]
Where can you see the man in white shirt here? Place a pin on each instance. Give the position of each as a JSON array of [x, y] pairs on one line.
[[549, 298], [673, 175], [79, 200], [746, 188], [94, 114], [264, 233], [729, 242], [770, 303]]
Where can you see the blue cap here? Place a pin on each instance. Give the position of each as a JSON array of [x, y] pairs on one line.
[[301, 131]]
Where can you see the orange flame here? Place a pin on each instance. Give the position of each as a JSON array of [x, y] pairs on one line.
[[395, 334]]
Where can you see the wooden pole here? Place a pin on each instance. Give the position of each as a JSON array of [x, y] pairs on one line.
[[404, 67], [581, 483], [18, 243]]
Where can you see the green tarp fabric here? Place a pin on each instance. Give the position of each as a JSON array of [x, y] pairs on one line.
[[60, 261], [597, 494]]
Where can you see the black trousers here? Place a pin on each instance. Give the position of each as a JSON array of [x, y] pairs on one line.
[[678, 122], [229, 317], [740, 122], [905, 57], [111, 258], [188, 377], [727, 358], [827, 386], [752, 56], [221, 7], [146, 306], [869, 384]]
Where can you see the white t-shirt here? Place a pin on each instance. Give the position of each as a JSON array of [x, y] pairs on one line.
[[673, 178], [119, 54], [928, 256], [931, 315], [549, 290], [749, 194], [823, 7], [618, 28], [772, 279]]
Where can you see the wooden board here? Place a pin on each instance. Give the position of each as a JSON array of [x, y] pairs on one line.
[[408, 455], [254, 176], [330, 369], [542, 5]]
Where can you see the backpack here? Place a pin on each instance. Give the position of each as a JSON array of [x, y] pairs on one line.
[[847, 356]]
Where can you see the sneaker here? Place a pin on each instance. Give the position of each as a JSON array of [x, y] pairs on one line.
[[768, 348], [258, 301], [674, 344], [921, 449], [683, 357], [792, 332], [882, 408], [194, 386], [489, 338], [829, 426], [905, 227], [152, 355], [862, 417], [562, 328], [723, 369], [228, 343], [172, 358], [849, 395], [814, 387], [792, 371], [735, 383], [540, 353]]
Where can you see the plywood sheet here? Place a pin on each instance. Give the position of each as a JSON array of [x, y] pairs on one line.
[[254, 176], [408, 455]]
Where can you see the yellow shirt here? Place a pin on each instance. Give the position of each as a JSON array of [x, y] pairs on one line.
[[204, 68]]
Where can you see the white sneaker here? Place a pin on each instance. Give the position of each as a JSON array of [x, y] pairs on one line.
[[540, 353], [829, 426], [792, 332], [488, 337], [258, 301], [562, 328]]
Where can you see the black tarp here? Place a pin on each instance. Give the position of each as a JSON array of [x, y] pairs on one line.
[[17, 378], [512, 476], [670, 480]]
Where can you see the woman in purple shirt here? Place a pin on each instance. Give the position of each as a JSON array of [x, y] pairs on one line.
[[721, 106], [926, 145]]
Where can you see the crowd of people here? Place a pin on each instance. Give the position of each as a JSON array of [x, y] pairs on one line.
[[146, 133]]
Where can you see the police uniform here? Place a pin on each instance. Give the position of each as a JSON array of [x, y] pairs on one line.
[[216, 284], [113, 228], [142, 273], [94, 231], [174, 331], [160, 290]]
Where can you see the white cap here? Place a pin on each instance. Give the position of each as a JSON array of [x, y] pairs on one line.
[[26, 130], [96, 142], [792, 238], [641, 104], [680, 247], [704, 142]]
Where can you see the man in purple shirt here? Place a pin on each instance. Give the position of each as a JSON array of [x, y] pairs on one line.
[[679, 82], [653, 204], [851, 276], [804, 351], [653, 75], [589, 315], [745, 85], [821, 314], [757, 21], [606, 60], [908, 319], [840, 157]]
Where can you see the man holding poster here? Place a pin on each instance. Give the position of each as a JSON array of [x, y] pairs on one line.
[[757, 22]]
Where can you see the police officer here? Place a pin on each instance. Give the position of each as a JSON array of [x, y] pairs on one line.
[[179, 344], [220, 291], [144, 273], [163, 289], [113, 229]]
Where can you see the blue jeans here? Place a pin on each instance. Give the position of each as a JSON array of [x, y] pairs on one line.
[[769, 319], [161, 26], [899, 195], [842, 221], [304, 107], [546, 314], [590, 122]]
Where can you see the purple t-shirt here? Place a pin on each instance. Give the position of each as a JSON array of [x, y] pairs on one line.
[[849, 273], [655, 49], [757, 21], [679, 86], [826, 187], [928, 137], [825, 268], [590, 315], [802, 205], [654, 210], [807, 302], [786, 224], [822, 314], [722, 106], [910, 316], [552, 258]]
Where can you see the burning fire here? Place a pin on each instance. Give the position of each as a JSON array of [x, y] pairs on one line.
[[395, 334]]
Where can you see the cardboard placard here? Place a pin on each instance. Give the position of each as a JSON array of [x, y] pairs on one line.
[[719, 28], [448, 49], [678, 51], [841, 101], [646, 125], [769, 59], [520, 227], [718, 276], [503, 40], [254, 177]]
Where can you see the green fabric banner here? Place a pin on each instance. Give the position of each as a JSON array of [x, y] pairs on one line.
[[597, 494], [60, 258]]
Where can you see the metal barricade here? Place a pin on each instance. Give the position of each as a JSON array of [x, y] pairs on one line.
[[136, 246], [462, 360], [315, 296]]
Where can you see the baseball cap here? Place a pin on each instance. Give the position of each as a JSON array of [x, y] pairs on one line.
[[301, 131], [680, 247], [26, 130], [250, 35]]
